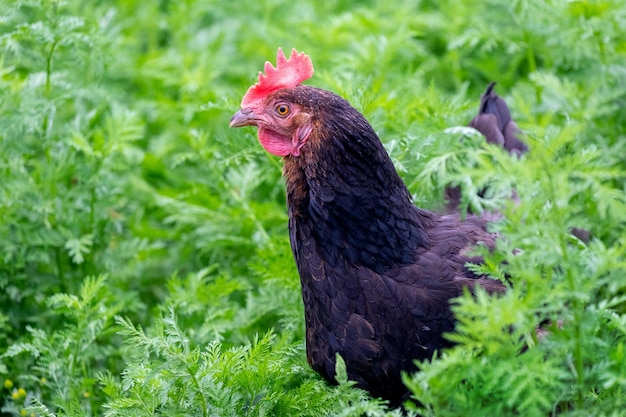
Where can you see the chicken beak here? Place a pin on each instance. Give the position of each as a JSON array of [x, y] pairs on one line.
[[244, 117]]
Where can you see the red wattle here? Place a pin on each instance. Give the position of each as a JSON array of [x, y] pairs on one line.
[[274, 143]]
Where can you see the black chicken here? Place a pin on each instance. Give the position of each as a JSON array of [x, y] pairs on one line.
[[377, 273], [495, 123]]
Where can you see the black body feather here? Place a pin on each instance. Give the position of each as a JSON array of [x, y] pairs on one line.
[[377, 272]]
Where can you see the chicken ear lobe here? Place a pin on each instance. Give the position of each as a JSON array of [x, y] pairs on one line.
[[300, 137]]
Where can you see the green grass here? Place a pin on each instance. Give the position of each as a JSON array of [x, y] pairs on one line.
[[145, 267]]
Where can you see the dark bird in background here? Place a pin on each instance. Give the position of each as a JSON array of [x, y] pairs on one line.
[[495, 123], [377, 272]]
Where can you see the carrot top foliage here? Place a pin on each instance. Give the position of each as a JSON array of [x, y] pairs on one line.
[[145, 267]]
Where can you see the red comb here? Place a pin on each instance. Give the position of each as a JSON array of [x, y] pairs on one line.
[[288, 73]]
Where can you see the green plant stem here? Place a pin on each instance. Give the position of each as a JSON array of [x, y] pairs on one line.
[[48, 88], [49, 66], [60, 269], [577, 305], [199, 389], [530, 56]]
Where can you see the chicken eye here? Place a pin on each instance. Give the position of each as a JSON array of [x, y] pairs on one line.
[[282, 109]]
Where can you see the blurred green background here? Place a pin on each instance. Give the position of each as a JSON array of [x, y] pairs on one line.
[[145, 267]]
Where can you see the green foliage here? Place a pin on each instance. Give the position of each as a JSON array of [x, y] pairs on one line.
[[144, 260], [63, 361], [169, 374]]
